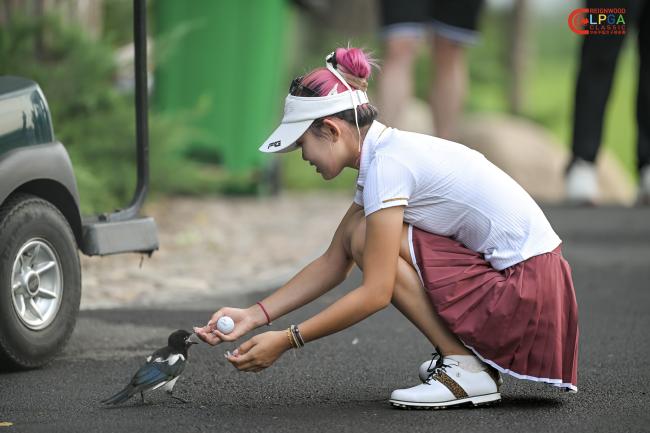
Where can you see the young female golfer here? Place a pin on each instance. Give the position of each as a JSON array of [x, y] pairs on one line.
[[447, 237]]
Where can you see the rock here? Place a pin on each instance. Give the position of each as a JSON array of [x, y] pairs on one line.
[[529, 154]]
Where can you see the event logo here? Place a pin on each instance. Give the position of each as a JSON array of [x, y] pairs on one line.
[[598, 21]]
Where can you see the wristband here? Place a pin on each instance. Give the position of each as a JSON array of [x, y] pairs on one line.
[[268, 318]]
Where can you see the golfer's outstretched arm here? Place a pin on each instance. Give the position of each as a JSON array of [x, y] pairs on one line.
[[381, 251], [321, 275], [315, 279]]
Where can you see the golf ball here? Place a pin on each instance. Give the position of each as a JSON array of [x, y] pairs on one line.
[[225, 325]]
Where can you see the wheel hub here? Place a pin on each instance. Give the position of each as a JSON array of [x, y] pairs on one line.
[[37, 284], [31, 282]]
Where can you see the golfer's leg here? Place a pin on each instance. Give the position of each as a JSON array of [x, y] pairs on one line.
[[411, 300], [409, 297]]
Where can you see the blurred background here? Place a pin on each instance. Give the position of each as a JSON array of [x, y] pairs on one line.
[[219, 70]]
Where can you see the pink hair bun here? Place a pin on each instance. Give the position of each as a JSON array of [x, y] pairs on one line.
[[354, 62]]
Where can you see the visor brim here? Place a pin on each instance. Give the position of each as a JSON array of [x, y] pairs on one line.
[[283, 139]]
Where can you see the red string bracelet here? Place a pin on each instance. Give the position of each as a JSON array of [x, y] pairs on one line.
[[268, 318]]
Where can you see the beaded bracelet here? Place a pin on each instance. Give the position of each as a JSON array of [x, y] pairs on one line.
[[292, 343], [295, 343]]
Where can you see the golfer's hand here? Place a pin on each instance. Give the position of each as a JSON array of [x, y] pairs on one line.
[[260, 351], [244, 322]]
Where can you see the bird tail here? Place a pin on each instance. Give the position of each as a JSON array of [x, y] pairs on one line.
[[120, 397]]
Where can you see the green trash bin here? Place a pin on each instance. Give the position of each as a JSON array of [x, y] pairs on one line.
[[230, 54]]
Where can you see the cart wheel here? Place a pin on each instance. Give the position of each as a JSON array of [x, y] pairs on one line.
[[40, 282]]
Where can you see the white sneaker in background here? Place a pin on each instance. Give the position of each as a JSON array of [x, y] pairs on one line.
[[582, 182], [449, 385], [644, 187]]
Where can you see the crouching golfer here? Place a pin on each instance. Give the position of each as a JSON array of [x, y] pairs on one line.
[[440, 232]]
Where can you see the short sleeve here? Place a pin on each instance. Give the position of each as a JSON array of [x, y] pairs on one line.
[[389, 183]]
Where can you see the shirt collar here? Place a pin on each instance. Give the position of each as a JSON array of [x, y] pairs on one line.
[[368, 149]]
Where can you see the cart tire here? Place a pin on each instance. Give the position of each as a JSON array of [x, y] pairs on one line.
[[39, 292]]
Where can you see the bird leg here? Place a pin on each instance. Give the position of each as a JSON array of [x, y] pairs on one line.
[[182, 400]]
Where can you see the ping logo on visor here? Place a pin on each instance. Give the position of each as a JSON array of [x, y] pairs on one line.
[[274, 144]]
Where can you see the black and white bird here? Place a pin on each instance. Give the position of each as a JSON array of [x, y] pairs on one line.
[[162, 369]]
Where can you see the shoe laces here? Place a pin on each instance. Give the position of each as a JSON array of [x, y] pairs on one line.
[[436, 367], [435, 359]]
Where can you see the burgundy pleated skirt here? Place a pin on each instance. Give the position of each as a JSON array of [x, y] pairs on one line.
[[522, 320]]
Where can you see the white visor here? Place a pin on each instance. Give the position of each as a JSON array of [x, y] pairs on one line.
[[301, 111]]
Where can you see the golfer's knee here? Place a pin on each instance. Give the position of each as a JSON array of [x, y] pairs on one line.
[[405, 246], [358, 241]]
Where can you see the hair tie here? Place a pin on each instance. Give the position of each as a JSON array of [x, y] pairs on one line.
[[350, 79], [354, 81]]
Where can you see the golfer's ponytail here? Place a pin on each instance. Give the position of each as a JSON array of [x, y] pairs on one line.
[[355, 66]]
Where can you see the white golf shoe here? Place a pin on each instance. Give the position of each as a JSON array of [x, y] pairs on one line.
[[449, 385], [428, 367], [582, 182]]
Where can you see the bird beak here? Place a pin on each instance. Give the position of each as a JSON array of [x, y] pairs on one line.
[[192, 339]]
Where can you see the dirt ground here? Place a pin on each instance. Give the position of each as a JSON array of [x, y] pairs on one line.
[[216, 245]]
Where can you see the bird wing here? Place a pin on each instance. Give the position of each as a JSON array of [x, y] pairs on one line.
[[161, 367], [158, 370]]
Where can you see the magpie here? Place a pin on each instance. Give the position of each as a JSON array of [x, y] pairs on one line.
[[162, 369]]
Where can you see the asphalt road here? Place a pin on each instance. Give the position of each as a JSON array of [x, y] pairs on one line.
[[342, 383]]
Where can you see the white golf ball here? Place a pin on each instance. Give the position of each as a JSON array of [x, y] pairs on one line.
[[225, 325]]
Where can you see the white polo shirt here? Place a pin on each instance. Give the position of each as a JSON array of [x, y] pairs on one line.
[[451, 190]]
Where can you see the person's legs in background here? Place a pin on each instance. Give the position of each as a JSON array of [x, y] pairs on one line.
[[450, 85], [396, 83], [643, 106], [454, 27], [598, 58], [402, 30]]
